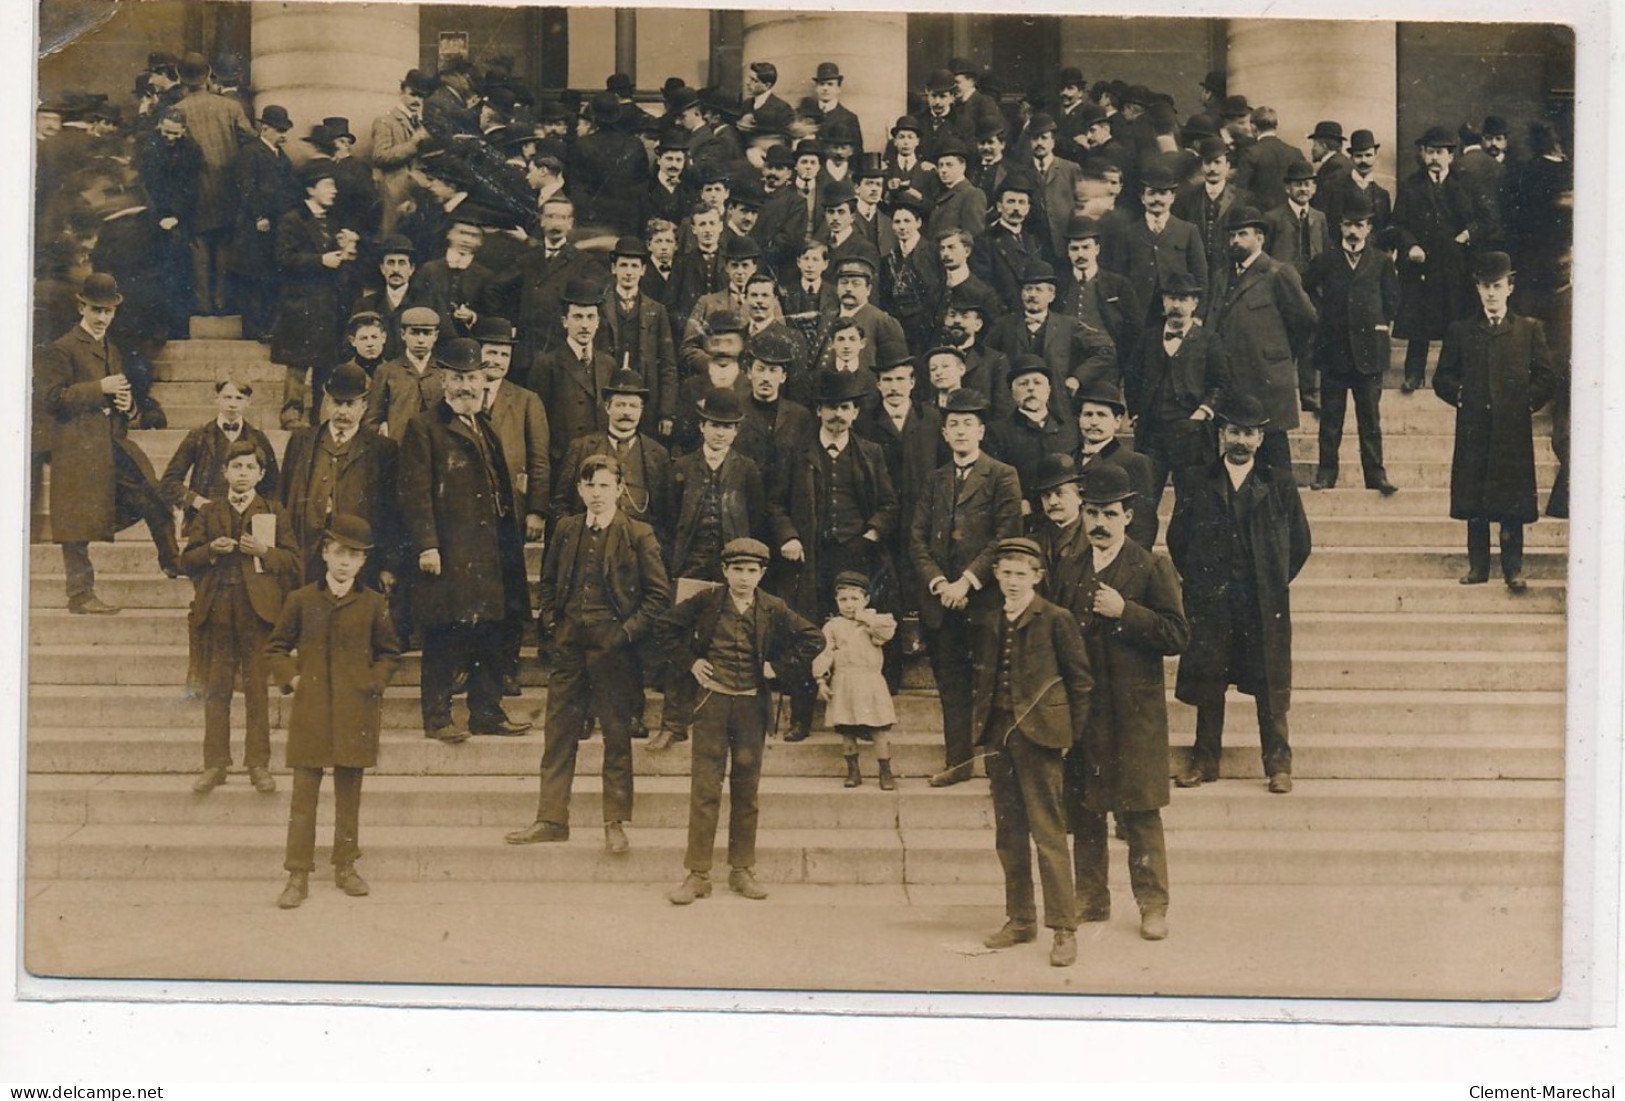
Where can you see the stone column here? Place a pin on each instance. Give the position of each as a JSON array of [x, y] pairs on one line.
[[332, 59], [1310, 70], [870, 47]]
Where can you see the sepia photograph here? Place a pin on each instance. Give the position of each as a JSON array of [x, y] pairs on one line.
[[590, 504]]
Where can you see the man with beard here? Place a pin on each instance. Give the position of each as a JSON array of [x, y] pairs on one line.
[[1127, 603], [1238, 538], [1356, 296], [1100, 416], [832, 505], [457, 507], [101, 482]]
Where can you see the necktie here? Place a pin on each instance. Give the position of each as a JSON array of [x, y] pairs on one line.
[[1303, 235]]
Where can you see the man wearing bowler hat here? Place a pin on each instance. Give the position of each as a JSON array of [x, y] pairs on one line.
[[101, 483], [1011, 242], [265, 189], [1496, 369], [1295, 233], [1099, 298], [1100, 417], [1057, 182], [571, 378], [1238, 538], [937, 124], [397, 264], [396, 136], [316, 263], [1356, 296], [959, 204], [1331, 164], [1077, 355], [1361, 183], [645, 473], [464, 537], [1126, 600], [1206, 203], [827, 83], [1069, 125], [636, 333], [1032, 428], [1265, 321], [1158, 244]]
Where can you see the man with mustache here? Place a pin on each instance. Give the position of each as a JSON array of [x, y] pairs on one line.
[[1127, 602], [883, 337], [1238, 538], [1032, 429], [1100, 416]]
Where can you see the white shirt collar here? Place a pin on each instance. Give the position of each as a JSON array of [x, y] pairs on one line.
[[1238, 473], [1012, 612], [826, 441], [337, 589], [600, 523]]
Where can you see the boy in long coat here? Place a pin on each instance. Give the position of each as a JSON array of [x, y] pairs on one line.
[[335, 650], [1496, 370]]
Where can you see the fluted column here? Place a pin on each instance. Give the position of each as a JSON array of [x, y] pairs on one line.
[[870, 47], [1310, 70], [332, 59]]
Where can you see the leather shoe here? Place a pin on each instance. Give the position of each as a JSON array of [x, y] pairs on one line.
[[1197, 771], [615, 842], [695, 885], [505, 728], [1407, 387], [1473, 578], [449, 734], [958, 774], [348, 880], [742, 882], [1013, 933], [539, 831], [798, 734], [660, 742], [1386, 488], [1323, 483], [261, 778], [211, 779], [92, 605], [1310, 406], [1517, 586], [297, 890], [1089, 914], [1153, 925], [640, 733], [510, 685], [1280, 783], [1064, 952]]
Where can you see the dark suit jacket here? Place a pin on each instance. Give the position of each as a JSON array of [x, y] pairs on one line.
[[265, 188], [644, 343], [1106, 303], [364, 486], [655, 473], [1355, 308], [608, 172], [692, 278], [266, 590], [442, 290], [1050, 678], [1197, 374], [798, 499], [197, 467], [783, 638], [962, 206], [1193, 206], [375, 300], [532, 294], [1332, 171], [520, 424], [744, 500], [1000, 257], [310, 316], [1261, 169], [1142, 529], [766, 443], [573, 398], [1072, 351], [1265, 320], [1015, 439], [1281, 238], [956, 527], [1148, 260], [785, 223], [634, 576], [1382, 207]]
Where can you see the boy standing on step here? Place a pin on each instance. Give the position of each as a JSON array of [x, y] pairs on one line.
[[335, 650], [242, 572]]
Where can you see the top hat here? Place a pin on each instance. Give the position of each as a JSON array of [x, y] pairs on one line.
[[939, 80], [721, 406], [1019, 545], [965, 400], [193, 68], [1327, 130], [338, 127], [1234, 107], [348, 530], [827, 70], [419, 317], [459, 356], [1240, 217], [1105, 484], [1298, 171], [1101, 393], [1069, 76], [100, 289], [1215, 82], [626, 381], [836, 387], [1243, 411], [1487, 267], [869, 166], [493, 330], [1361, 140], [276, 117], [1180, 284], [1437, 137], [672, 141], [418, 82], [1052, 470], [581, 292], [631, 246], [347, 382], [745, 549]]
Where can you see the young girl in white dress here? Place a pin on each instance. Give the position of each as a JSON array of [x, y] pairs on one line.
[[850, 678]]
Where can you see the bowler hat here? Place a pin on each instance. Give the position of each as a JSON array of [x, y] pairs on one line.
[[459, 356], [720, 406], [1215, 82], [1240, 217], [626, 381], [838, 192], [1026, 364], [672, 141], [1234, 107], [1487, 267], [1101, 393], [1019, 545], [418, 82], [161, 62], [317, 169], [965, 399], [1089, 114], [727, 104], [1041, 124], [619, 83], [1243, 411], [906, 122], [419, 317], [951, 146], [347, 382], [1362, 140], [1069, 77], [1495, 126], [1157, 177], [348, 530], [276, 117], [905, 201], [836, 387], [1211, 149], [1080, 226], [1139, 94], [809, 147], [990, 128], [839, 132], [724, 321], [741, 248], [1105, 484], [963, 297], [1328, 130], [827, 70], [1019, 180], [1298, 171], [494, 330], [193, 68], [852, 579], [100, 289], [772, 349], [631, 246], [1054, 470], [1198, 129], [1180, 284], [747, 193], [939, 80], [606, 108], [745, 550], [1037, 271], [1437, 137], [778, 157], [581, 292], [963, 66], [1356, 208]]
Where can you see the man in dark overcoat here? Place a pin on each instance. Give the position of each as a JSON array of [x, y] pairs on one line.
[[1100, 417], [646, 482], [832, 506], [462, 532], [572, 378], [315, 262], [1496, 369], [637, 334], [1238, 538], [1356, 297], [265, 189], [101, 482], [533, 290], [1157, 245], [1127, 602]]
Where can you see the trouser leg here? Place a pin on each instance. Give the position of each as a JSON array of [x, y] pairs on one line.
[[220, 666], [301, 850], [1209, 732], [1478, 548], [745, 739], [677, 712], [445, 651], [1308, 380], [1334, 392], [617, 689], [709, 738], [253, 633], [569, 695], [484, 665], [1089, 862], [952, 666], [1272, 737], [1416, 363], [1368, 417], [1038, 772], [1012, 839], [1147, 858], [136, 497], [80, 573], [1511, 550], [346, 815]]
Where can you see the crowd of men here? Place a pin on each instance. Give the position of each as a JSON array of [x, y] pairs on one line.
[[726, 339]]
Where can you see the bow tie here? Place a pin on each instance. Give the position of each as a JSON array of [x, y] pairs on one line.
[[1172, 334], [232, 428], [242, 502]]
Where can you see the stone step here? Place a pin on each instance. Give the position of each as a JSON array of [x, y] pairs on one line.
[[228, 327], [1415, 529], [1438, 595], [797, 802], [214, 350], [1398, 447], [1511, 630], [1460, 670], [1330, 712], [1431, 473], [909, 856], [1441, 561]]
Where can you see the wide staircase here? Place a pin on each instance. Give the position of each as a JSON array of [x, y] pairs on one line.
[[1427, 724]]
